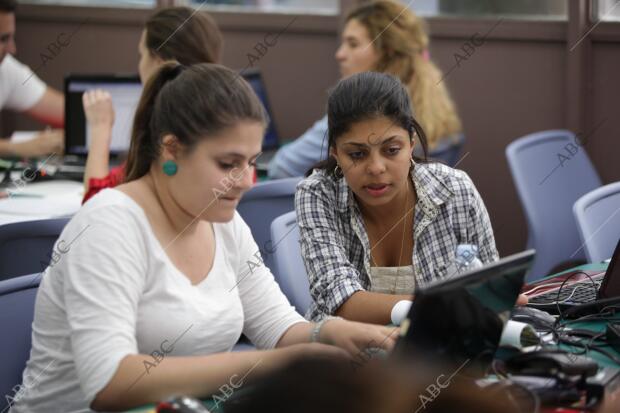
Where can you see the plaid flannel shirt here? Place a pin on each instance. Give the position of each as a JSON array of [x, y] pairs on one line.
[[334, 244]]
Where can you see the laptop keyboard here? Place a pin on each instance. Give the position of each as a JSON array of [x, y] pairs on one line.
[[579, 293]]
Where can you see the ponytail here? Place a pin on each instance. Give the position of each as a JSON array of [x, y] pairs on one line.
[[144, 149], [191, 103]]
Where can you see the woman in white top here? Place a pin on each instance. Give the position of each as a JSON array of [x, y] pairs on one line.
[[158, 278]]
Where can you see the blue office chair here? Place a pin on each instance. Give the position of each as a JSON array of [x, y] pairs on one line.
[[26, 247], [17, 297], [261, 205], [549, 180], [289, 270], [449, 151], [598, 219]]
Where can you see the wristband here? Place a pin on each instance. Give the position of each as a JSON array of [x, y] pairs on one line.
[[400, 311], [316, 330]]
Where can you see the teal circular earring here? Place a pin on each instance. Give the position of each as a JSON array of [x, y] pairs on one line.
[[170, 168]]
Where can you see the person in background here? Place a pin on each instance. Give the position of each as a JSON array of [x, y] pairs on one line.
[[382, 36], [375, 221], [163, 275], [21, 90], [178, 34]]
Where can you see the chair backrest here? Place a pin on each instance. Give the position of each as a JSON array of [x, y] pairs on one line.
[[551, 171], [289, 270], [17, 297], [262, 204], [449, 151], [598, 219], [26, 247]]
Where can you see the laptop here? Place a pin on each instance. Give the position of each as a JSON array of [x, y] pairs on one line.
[[125, 91], [458, 322], [580, 287], [271, 141]]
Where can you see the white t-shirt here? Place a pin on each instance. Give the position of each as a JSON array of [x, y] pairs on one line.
[[20, 88], [114, 292]]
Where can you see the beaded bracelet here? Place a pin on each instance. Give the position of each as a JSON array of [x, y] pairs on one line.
[[316, 331]]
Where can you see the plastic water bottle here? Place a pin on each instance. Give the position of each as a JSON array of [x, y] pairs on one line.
[[466, 258]]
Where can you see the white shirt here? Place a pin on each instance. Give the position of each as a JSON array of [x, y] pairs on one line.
[[114, 292], [20, 88]]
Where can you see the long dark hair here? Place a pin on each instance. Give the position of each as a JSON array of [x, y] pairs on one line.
[[190, 103], [185, 35], [366, 96]]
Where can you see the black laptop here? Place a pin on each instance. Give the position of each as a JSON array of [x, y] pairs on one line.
[[125, 91], [576, 288], [458, 323]]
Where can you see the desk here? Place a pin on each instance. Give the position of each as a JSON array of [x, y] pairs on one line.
[[41, 200], [596, 326]]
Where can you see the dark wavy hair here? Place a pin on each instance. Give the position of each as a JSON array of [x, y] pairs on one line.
[[364, 96]]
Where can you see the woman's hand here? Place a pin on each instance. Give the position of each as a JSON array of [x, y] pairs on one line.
[[100, 118], [46, 142], [357, 337], [98, 108], [522, 299]]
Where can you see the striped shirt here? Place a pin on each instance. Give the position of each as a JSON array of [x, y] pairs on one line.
[[335, 247]]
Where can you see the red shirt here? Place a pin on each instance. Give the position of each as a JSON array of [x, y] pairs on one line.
[[114, 178]]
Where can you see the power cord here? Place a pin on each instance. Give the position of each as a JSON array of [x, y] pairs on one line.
[[564, 335], [557, 300]]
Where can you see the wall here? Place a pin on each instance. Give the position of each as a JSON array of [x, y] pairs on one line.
[[297, 70], [519, 81]]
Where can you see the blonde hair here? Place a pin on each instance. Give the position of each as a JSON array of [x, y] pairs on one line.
[[401, 38]]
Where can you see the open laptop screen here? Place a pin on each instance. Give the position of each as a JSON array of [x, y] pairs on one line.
[[459, 322], [125, 92], [610, 286]]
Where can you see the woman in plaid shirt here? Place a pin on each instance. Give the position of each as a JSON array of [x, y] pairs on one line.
[[374, 220]]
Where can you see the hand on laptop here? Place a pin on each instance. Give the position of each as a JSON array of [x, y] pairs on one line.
[[51, 141], [99, 112], [357, 337]]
